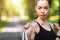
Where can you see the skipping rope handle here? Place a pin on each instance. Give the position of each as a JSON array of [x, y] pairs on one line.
[[24, 36]]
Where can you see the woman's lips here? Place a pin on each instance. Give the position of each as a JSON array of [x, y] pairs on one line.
[[42, 15]]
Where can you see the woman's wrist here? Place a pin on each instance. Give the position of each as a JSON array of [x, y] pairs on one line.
[[58, 34]]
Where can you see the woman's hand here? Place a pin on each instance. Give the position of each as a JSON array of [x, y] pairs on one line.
[[27, 26], [56, 26], [31, 30]]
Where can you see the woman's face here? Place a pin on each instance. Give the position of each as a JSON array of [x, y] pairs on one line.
[[42, 8]]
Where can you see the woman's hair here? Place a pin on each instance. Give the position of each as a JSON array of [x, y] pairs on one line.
[[49, 1]]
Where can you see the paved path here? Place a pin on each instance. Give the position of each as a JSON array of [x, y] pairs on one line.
[[14, 25], [11, 36], [13, 30]]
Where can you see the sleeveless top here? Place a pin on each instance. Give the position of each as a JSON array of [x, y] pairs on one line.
[[44, 34]]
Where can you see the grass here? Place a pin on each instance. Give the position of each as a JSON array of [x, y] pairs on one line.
[[0, 30], [2, 24]]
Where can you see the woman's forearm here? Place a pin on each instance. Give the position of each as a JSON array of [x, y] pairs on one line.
[[58, 34]]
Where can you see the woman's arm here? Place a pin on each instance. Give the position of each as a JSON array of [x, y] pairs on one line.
[[28, 30], [35, 30], [31, 30], [58, 34], [56, 26]]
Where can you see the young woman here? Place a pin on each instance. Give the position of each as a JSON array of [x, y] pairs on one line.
[[41, 29]]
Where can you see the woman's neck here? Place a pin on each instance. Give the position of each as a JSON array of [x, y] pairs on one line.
[[42, 21]]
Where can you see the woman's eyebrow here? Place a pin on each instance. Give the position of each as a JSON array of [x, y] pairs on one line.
[[39, 6]]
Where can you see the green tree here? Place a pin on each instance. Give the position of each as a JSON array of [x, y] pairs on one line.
[[59, 13], [1, 7]]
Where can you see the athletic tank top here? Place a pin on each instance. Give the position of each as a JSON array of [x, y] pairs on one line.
[[44, 34]]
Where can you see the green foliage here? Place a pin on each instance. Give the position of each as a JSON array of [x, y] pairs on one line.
[[27, 21], [54, 8], [3, 24], [30, 11], [55, 21]]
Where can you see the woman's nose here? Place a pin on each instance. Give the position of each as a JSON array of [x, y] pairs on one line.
[[42, 10]]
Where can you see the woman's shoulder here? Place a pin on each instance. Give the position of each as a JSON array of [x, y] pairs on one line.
[[51, 25], [54, 25]]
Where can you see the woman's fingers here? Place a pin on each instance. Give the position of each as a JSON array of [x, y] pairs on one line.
[[27, 26], [56, 26]]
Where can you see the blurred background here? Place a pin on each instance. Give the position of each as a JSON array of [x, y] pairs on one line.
[[14, 14]]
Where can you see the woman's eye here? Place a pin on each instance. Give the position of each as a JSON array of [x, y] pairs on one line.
[[45, 7], [39, 7]]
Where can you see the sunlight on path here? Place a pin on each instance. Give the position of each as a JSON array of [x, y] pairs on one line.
[[12, 29]]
